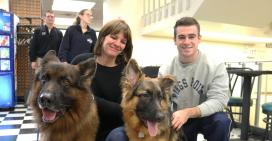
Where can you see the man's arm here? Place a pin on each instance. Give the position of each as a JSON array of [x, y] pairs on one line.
[[33, 48], [64, 46], [60, 36], [217, 94]]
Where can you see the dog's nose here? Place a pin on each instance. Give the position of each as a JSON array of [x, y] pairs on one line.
[[45, 99], [159, 116]]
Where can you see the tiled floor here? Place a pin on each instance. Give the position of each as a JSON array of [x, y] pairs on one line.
[[19, 125]]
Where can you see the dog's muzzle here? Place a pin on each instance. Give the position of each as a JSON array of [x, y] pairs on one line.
[[47, 106]]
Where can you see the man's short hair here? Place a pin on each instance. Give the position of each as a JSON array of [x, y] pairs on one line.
[[186, 21], [49, 11]]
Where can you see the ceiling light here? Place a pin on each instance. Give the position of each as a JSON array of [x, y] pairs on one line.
[[64, 21], [70, 5]]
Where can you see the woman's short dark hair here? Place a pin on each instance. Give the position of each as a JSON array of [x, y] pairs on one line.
[[111, 28], [186, 21]]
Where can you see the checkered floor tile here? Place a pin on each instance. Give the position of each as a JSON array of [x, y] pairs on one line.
[[17, 124]]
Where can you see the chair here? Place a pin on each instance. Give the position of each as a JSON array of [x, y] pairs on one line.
[[151, 71], [267, 109], [236, 101]]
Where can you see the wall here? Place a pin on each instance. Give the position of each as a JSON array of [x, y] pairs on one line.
[[4, 4], [156, 51], [24, 9], [27, 8]]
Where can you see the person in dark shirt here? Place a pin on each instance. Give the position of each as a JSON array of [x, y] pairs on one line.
[[79, 38], [45, 38], [112, 50]]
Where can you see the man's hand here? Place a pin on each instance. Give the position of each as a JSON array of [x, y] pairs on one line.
[[180, 117]]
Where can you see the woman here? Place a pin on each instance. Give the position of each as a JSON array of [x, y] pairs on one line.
[[113, 50], [79, 38]]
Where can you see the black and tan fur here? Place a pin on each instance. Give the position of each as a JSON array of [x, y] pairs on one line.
[[146, 106], [63, 104]]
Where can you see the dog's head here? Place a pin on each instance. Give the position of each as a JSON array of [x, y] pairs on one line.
[[148, 97], [58, 87]]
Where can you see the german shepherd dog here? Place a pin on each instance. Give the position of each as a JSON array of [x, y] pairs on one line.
[[146, 106], [62, 102]]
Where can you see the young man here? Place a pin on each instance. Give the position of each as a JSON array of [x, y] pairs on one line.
[[201, 92], [45, 38]]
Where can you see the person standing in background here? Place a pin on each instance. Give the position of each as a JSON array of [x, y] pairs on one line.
[[46, 37], [79, 38]]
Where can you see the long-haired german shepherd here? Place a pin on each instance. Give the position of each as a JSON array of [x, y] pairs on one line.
[[63, 104], [146, 105]]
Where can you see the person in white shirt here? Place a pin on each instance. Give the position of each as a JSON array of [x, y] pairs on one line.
[[202, 91]]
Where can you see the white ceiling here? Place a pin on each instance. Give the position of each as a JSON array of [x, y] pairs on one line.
[[250, 17], [234, 17], [97, 12], [239, 17], [254, 13]]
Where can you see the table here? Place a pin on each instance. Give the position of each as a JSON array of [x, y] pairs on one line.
[[247, 75]]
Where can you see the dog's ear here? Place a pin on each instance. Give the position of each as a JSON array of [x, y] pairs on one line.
[[132, 72], [35, 90], [166, 82], [87, 69], [50, 56]]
